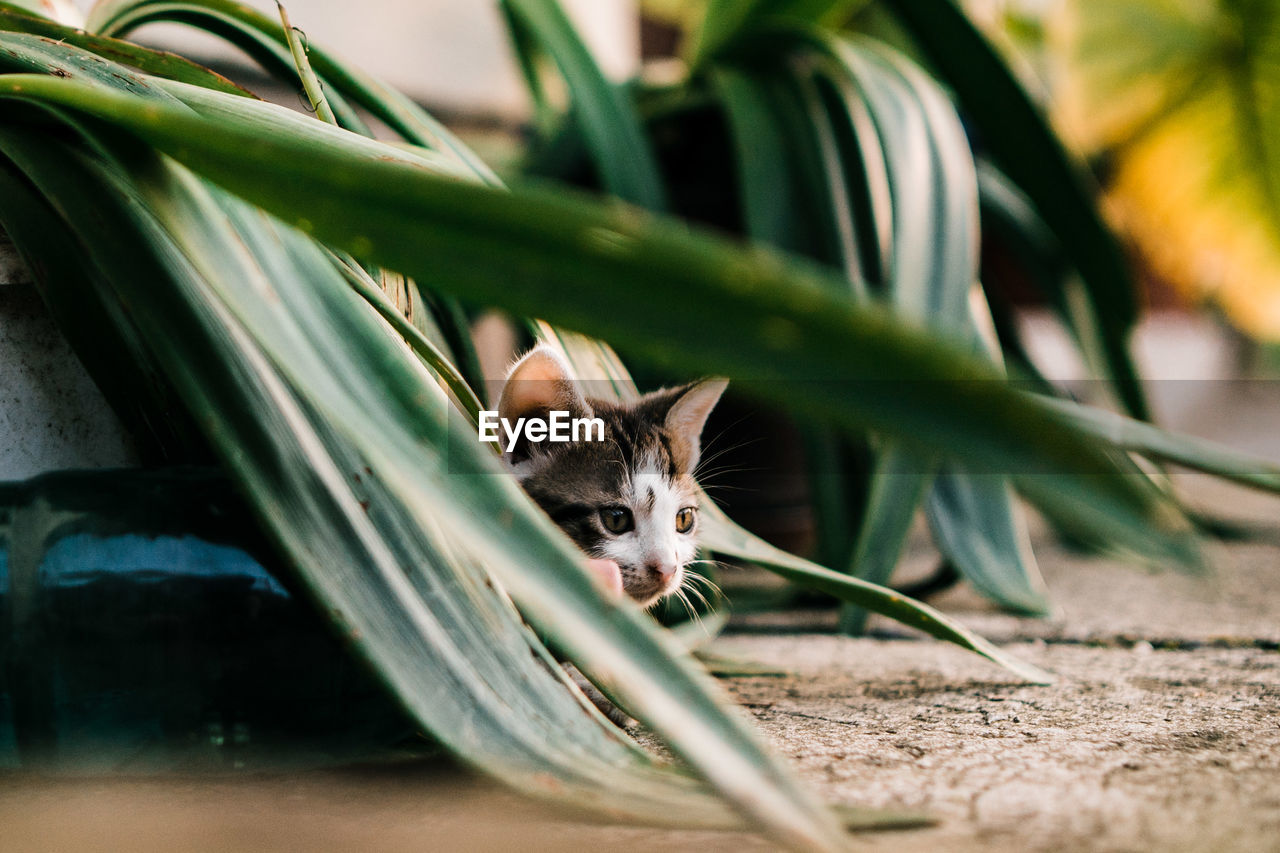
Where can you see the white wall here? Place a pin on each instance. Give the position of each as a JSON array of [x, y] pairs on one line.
[[52, 416], [446, 53]]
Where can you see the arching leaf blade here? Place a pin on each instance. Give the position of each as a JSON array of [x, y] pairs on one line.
[[1023, 145], [609, 123], [564, 246]]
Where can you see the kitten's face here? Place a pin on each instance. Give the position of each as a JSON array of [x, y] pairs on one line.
[[630, 497]]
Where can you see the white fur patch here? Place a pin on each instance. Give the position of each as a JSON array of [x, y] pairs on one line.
[[654, 541]]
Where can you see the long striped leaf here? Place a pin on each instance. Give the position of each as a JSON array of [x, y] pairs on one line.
[[1026, 148], [899, 481], [975, 520], [259, 36], [922, 269], [806, 353], [160, 63], [609, 123], [726, 22], [722, 535], [794, 196], [1154, 443], [265, 40], [262, 37]]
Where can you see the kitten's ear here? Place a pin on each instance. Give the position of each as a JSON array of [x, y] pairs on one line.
[[538, 384], [688, 415]]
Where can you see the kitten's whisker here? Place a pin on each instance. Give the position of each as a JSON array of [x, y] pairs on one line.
[[707, 445], [704, 580], [688, 607], [729, 469], [721, 488], [694, 615], [715, 599], [728, 448], [711, 588], [620, 461], [705, 561], [704, 468], [707, 459], [693, 590]]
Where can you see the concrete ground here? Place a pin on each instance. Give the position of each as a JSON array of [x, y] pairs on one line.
[[1162, 733]]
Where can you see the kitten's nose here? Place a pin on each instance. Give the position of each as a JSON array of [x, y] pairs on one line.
[[665, 570]]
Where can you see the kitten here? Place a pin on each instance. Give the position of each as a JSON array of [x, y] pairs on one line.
[[629, 495]]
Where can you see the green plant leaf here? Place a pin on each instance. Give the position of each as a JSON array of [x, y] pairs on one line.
[[795, 196], [259, 36], [263, 117], [610, 126], [929, 257], [1021, 142], [931, 264], [805, 352], [722, 535], [310, 83], [899, 481], [809, 160], [781, 177], [1152, 442], [897, 478], [243, 26], [722, 22], [264, 40], [464, 397], [975, 523], [157, 62], [726, 22]]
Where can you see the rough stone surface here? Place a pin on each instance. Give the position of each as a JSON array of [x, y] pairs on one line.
[[1161, 733], [1131, 749], [52, 415]]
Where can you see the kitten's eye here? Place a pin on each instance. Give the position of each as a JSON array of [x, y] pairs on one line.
[[685, 519], [617, 519]]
